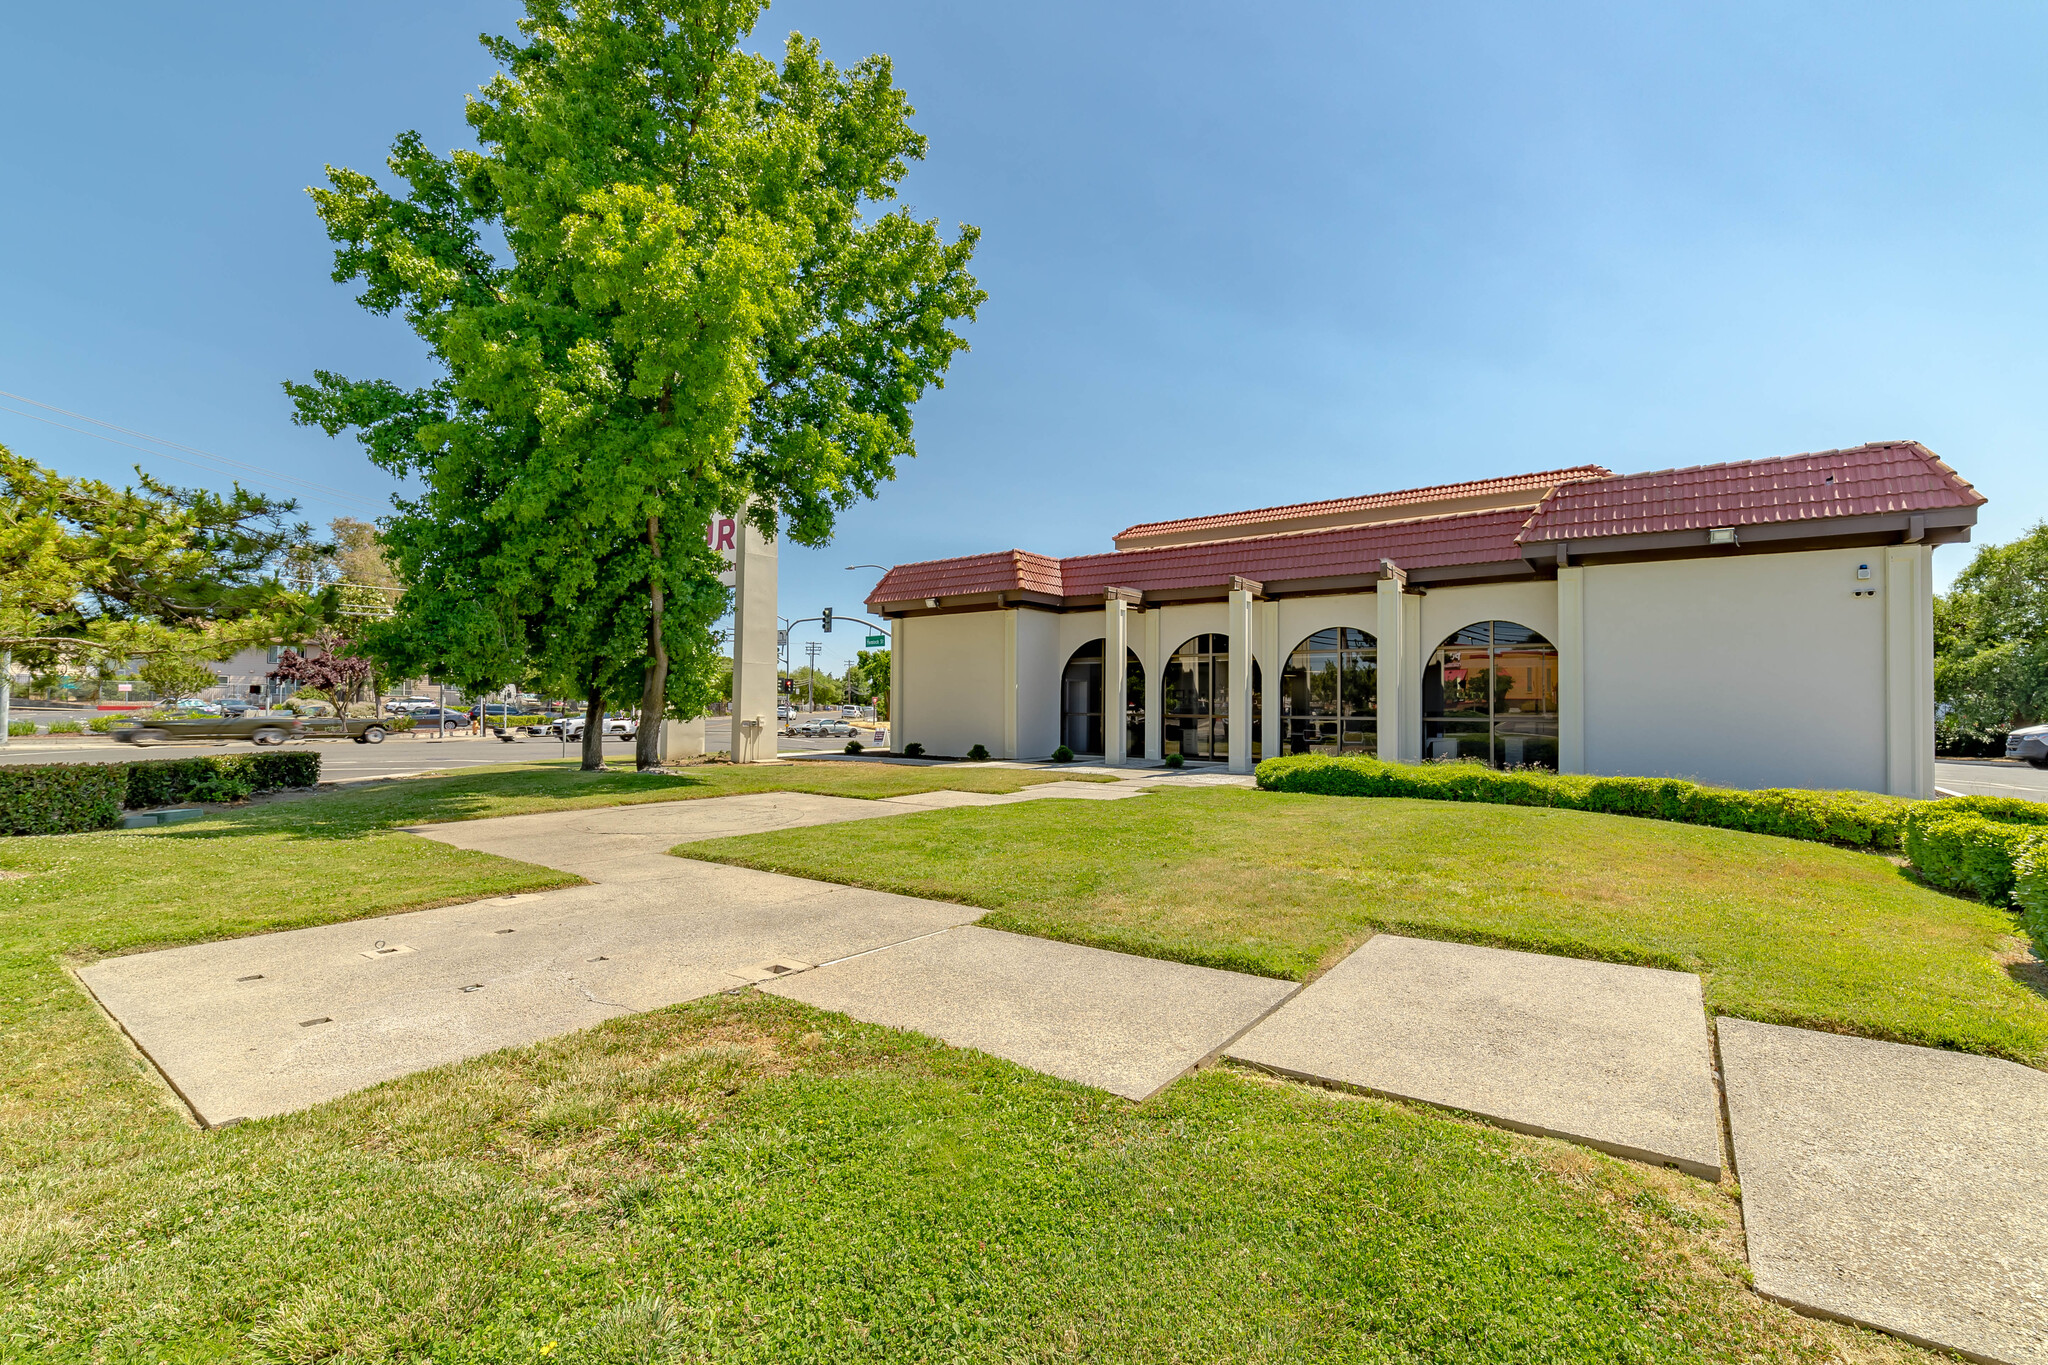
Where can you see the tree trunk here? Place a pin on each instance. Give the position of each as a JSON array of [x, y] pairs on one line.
[[654, 690], [593, 731]]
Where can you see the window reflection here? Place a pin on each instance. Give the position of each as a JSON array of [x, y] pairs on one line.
[[1329, 694], [1196, 700], [1081, 710], [1489, 693]]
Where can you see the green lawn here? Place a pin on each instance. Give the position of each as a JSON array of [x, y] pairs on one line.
[[1285, 885], [746, 1179]]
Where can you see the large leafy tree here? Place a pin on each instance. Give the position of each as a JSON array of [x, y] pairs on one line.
[[700, 306], [1991, 640], [92, 575]]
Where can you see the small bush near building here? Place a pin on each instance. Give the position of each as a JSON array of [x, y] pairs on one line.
[[1974, 844], [979, 753], [1857, 819], [854, 746], [913, 750], [1063, 755], [1175, 761], [61, 798]]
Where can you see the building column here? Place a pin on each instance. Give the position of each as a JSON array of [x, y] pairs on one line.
[[1116, 638], [1909, 669], [897, 691], [1155, 689], [1271, 664], [754, 652], [1571, 668], [1238, 627], [1009, 749], [1399, 739]]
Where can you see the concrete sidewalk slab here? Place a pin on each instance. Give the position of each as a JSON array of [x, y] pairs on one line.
[[1128, 1025], [264, 1025], [1902, 1188], [620, 843], [1614, 1057]]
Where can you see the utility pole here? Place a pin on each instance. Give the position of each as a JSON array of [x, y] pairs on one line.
[[811, 648]]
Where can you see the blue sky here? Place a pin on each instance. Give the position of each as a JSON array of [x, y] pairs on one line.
[[1234, 256]]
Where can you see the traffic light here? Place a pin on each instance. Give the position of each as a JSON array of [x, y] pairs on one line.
[[828, 620]]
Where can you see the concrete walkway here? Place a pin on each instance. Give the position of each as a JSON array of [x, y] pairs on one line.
[[1615, 1057]]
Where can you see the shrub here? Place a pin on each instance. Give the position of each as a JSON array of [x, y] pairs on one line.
[[913, 750], [20, 727], [1175, 761], [61, 798], [1063, 755], [1973, 844], [225, 777], [979, 753], [99, 725], [1857, 819], [66, 727], [2030, 891], [854, 746]]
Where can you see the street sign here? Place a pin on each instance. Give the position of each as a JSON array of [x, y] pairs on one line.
[[124, 687], [877, 641], [782, 639]]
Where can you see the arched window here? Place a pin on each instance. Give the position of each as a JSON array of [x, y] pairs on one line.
[[1490, 693], [1329, 694], [1196, 685], [1081, 711]]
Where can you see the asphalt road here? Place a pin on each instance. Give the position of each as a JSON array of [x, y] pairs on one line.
[[1991, 777]]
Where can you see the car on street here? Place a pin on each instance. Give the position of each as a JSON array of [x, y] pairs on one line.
[[257, 727], [2029, 743], [849, 713], [783, 712], [617, 727], [432, 717], [821, 727]]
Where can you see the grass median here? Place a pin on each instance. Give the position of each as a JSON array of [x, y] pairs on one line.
[[1286, 885]]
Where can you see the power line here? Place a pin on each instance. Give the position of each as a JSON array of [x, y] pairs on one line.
[[317, 492]]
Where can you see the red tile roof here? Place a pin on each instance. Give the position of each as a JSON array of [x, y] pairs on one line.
[[1887, 477], [1002, 571], [1443, 492], [1890, 477], [1470, 538]]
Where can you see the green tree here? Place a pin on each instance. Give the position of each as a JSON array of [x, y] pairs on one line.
[[698, 308], [1991, 640], [172, 677], [92, 575], [872, 666]]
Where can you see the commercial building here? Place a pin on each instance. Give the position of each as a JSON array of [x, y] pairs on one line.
[[1758, 623]]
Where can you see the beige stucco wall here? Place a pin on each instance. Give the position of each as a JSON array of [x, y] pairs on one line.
[[1752, 671], [1749, 671], [953, 681]]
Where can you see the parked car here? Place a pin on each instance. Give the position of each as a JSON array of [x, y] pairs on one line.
[[849, 713], [2029, 743], [782, 711], [258, 727]]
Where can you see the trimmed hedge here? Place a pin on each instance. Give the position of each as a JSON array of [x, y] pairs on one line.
[[1973, 844], [1855, 819], [61, 798], [2030, 891], [70, 798]]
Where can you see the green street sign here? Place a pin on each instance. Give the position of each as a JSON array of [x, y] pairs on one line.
[[877, 641]]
